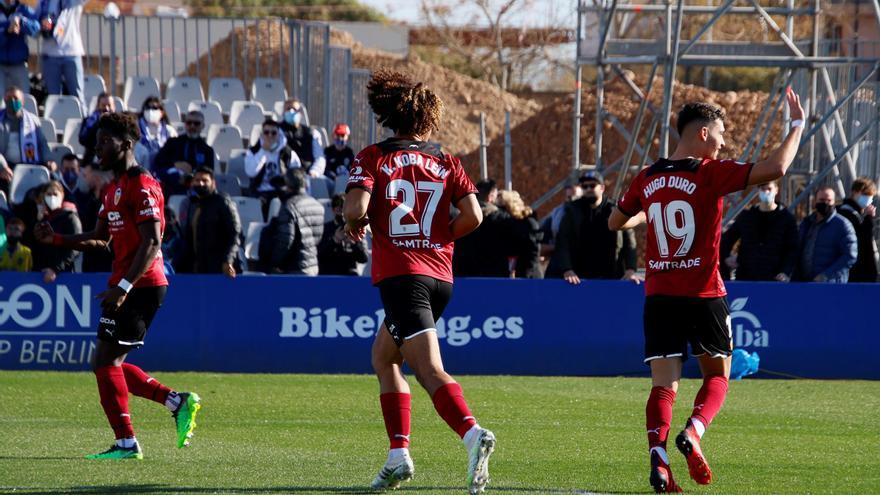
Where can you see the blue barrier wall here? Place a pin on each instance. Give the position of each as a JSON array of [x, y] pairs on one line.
[[517, 327]]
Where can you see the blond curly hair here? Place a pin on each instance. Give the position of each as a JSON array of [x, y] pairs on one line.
[[514, 204]]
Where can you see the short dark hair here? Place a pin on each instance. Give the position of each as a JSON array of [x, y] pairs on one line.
[[16, 221], [296, 180], [270, 121], [485, 186], [204, 170], [699, 112], [120, 125], [68, 157]]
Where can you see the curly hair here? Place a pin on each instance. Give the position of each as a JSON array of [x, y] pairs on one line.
[[514, 204], [402, 105], [699, 112], [120, 125]]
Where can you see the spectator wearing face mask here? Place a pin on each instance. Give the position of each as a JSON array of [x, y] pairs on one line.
[[14, 255], [21, 137], [183, 154], [88, 130], [88, 201], [69, 175], [267, 162], [62, 46], [302, 139], [211, 230], [826, 243], [337, 253], [860, 211], [62, 217], [767, 236], [339, 155], [155, 132], [17, 23], [585, 247]]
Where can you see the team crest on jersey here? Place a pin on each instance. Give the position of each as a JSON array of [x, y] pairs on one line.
[[357, 170], [117, 195]]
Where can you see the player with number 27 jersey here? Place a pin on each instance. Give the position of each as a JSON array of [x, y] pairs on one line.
[[415, 183], [683, 202]]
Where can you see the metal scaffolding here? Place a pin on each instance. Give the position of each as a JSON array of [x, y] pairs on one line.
[[842, 138]]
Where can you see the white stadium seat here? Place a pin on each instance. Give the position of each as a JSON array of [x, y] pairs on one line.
[[183, 90], [225, 90], [174, 202], [228, 184], [224, 139], [58, 150], [138, 89], [24, 178], [235, 166], [61, 108], [268, 91], [71, 136], [93, 85], [30, 104], [246, 114], [249, 209], [48, 126], [252, 240], [172, 111]]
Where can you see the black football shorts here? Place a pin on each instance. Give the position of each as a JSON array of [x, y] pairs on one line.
[[128, 325], [671, 322], [413, 303]]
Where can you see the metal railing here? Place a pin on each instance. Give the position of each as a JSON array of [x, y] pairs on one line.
[[296, 52]]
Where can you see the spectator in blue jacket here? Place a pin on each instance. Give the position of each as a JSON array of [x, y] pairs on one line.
[[88, 131], [827, 243], [17, 22]]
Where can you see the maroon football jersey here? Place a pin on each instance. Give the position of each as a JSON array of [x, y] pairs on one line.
[[412, 186], [683, 202]]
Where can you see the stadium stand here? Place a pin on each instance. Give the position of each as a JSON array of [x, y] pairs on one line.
[[268, 92], [210, 109], [183, 90], [225, 90], [138, 89], [24, 178], [224, 138]]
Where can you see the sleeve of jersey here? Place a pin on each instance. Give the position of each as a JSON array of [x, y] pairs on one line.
[[629, 204], [145, 203], [362, 172], [727, 176], [461, 183]]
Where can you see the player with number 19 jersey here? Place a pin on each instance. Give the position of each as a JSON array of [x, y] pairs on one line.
[[413, 185], [683, 201]]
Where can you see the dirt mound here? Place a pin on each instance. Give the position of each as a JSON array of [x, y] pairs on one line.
[[464, 97], [542, 145]]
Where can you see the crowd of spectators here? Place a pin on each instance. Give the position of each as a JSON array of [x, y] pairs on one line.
[[205, 232]]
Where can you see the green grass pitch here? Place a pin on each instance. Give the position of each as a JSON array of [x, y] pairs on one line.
[[323, 434]]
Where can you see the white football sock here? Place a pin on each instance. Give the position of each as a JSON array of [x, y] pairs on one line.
[[126, 443], [699, 427]]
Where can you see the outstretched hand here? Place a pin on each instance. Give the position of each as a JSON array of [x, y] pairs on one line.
[[43, 232], [795, 110]]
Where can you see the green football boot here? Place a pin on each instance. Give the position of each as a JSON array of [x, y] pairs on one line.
[[185, 417]]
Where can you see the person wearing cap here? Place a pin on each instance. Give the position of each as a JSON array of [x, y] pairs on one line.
[[339, 155], [585, 247]]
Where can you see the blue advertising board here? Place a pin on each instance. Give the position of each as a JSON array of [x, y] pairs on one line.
[[515, 327]]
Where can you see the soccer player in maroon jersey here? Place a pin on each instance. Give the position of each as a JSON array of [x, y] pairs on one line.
[[403, 188], [132, 216], [682, 197]]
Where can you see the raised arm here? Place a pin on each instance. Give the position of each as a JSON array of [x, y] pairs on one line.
[[774, 166]]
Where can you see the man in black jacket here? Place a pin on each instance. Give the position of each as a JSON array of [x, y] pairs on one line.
[[211, 231], [337, 254], [860, 211], [767, 235], [585, 247], [300, 226], [484, 252], [88, 204], [181, 155]]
